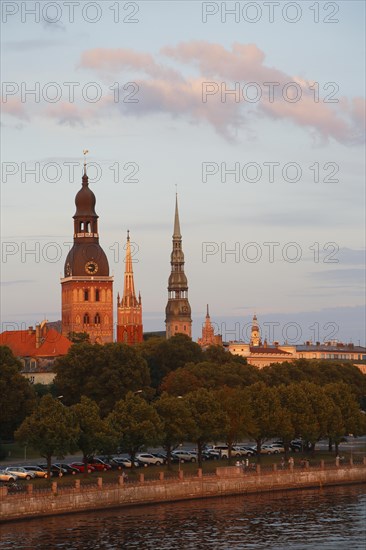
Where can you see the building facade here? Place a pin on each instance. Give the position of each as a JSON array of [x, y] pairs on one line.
[[37, 349], [87, 288], [178, 310], [129, 309]]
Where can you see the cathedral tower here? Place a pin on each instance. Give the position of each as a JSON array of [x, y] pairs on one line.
[[129, 309], [178, 311], [87, 301], [255, 339]]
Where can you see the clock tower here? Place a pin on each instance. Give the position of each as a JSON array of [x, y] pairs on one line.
[[178, 311], [87, 288]]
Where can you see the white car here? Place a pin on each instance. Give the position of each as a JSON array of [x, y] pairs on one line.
[[20, 472], [147, 458], [6, 476]]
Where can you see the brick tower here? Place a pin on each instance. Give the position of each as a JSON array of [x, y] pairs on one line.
[[209, 338], [87, 288], [178, 311], [129, 309]]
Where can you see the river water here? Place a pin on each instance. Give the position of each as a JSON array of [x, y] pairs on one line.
[[330, 518]]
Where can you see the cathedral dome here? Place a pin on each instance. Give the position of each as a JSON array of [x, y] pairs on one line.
[[85, 200], [86, 259]]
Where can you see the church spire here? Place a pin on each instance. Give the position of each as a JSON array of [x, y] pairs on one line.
[[129, 296], [178, 311], [129, 309], [176, 233]]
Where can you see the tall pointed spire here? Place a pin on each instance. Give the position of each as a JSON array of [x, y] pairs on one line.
[[176, 219], [129, 309], [209, 338], [178, 311]]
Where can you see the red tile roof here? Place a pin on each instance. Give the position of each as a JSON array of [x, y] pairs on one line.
[[23, 343]]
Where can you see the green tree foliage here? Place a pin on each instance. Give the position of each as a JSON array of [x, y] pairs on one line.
[[93, 431], [235, 404], [102, 373], [135, 423], [210, 376], [176, 422], [209, 420], [352, 421], [319, 372], [266, 413], [79, 337], [17, 394], [51, 429], [218, 355], [164, 356]]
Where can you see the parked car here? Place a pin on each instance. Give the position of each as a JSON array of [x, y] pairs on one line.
[[246, 451], [7, 476], [277, 448], [66, 468], [20, 472], [184, 456], [99, 465], [81, 467], [162, 456], [268, 450], [223, 451], [39, 472], [149, 459], [124, 463], [55, 470], [212, 455]]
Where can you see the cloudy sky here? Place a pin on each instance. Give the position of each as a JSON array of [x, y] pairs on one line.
[[256, 116]]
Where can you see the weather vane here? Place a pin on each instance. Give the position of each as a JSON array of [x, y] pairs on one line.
[[85, 152]]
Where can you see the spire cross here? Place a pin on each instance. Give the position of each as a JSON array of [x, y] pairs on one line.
[[128, 234]]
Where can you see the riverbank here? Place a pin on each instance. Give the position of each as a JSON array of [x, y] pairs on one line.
[[226, 481]]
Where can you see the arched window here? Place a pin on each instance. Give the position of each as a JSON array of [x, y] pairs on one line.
[[97, 319], [86, 319], [97, 295], [86, 295]]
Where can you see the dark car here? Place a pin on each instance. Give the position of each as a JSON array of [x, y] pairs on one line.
[[67, 468], [162, 456], [55, 470]]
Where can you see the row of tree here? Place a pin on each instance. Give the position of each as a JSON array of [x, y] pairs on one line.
[[257, 412], [178, 366]]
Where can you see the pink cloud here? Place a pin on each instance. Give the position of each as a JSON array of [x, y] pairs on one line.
[[167, 90], [14, 107]]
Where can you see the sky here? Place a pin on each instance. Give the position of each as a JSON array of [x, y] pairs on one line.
[[252, 111]]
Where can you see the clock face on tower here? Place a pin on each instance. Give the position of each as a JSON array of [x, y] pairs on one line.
[[91, 267]]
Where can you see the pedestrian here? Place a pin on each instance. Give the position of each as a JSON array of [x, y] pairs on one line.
[[247, 463], [282, 463], [237, 464], [291, 462]]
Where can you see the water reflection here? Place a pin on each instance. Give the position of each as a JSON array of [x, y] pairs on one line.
[[332, 518]]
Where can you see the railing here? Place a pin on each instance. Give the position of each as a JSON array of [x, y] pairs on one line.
[[24, 491]]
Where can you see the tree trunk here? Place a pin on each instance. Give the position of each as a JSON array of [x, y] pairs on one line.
[[287, 447], [85, 461], [330, 445], [168, 449], [259, 446], [229, 452], [199, 453], [49, 458], [336, 446]]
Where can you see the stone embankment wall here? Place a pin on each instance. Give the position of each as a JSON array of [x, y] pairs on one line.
[[226, 481]]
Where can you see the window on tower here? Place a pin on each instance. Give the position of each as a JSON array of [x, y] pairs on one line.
[[97, 319], [86, 295], [97, 295], [86, 319]]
